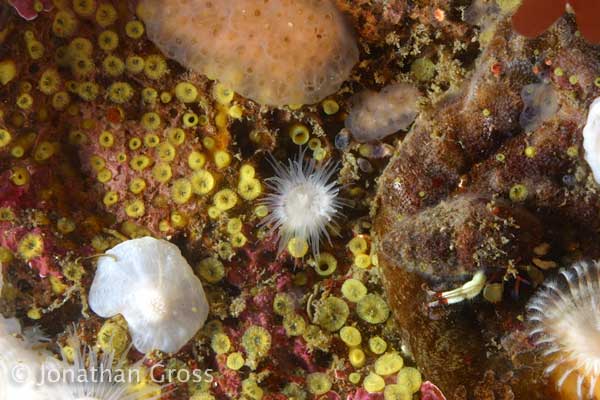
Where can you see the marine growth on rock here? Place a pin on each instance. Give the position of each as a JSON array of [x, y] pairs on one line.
[[273, 52]]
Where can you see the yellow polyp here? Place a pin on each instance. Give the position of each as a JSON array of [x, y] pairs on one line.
[[181, 191], [34, 314], [211, 270], [165, 97], [209, 143], [362, 261], [283, 304], [178, 220], [139, 163], [134, 143], [151, 140], [85, 8], [202, 182], [190, 119], [65, 225], [155, 66], [357, 357], [164, 226], [220, 343], [397, 392], [297, 247], [162, 172], [97, 163], [319, 154], [318, 383], [88, 91], [112, 338], [388, 364], [295, 107], [110, 198], [8, 71], [234, 225], [30, 246], [330, 107], [6, 255], [120, 92], [186, 92], [354, 377], [373, 383], [196, 160], [294, 324], [235, 361], [57, 286], [19, 176], [261, 211], [108, 40], [49, 82], [64, 24], [24, 101], [166, 152], [325, 265], [135, 209], [222, 159], [530, 151], [238, 239], [250, 188], [176, 136], [35, 49], [353, 290], [225, 199], [149, 95], [150, 121], [134, 64], [60, 100], [299, 134], [104, 176], [236, 111], [134, 29], [106, 139], [214, 212], [222, 94], [351, 336], [410, 377], [314, 144], [358, 245], [106, 15], [5, 138], [221, 120], [6, 214], [247, 171]]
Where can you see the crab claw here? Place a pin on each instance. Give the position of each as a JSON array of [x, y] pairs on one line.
[[467, 291]]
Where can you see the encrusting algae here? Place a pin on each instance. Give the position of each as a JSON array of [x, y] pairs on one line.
[[221, 130]]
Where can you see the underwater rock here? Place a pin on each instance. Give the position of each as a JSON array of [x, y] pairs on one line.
[[275, 53], [471, 142], [456, 238], [374, 116], [540, 105], [150, 283]]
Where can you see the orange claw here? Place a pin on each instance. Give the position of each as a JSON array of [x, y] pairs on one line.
[[535, 16]]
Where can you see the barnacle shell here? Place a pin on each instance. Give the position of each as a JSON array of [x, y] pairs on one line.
[[150, 283]]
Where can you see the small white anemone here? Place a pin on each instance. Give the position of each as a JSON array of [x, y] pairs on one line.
[[304, 200], [591, 139], [94, 376], [565, 323], [150, 283]]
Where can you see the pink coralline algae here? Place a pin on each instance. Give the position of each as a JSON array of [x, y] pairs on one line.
[[431, 392], [29, 9]]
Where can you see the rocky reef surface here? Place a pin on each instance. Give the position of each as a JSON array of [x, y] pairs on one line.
[[103, 139]]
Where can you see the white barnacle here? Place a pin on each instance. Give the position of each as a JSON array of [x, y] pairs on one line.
[[304, 200], [591, 139], [564, 317], [151, 284]]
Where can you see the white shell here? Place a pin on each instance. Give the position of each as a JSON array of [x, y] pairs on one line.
[[154, 288], [591, 139]]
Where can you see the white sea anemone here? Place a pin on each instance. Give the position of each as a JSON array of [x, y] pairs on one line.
[[94, 376], [591, 139], [565, 319], [150, 283], [304, 200]]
